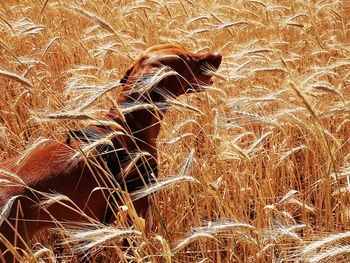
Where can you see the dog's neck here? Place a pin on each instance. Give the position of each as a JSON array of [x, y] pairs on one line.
[[143, 123], [145, 126]]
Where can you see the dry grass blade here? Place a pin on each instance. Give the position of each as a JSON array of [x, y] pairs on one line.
[[150, 80], [188, 163], [259, 141], [192, 238], [180, 138], [328, 255], [267, 69], [134, 158], [106, 89], [131, 9], [6, 208], [25, 26], [217, 227], [326, 87], [199, 31], [304, 99], [183, 105], [53, 199], [89, 148], [72, 115], [141, 106], [48, 253], [228, 25], [108, 123], [301, 204], [289, 152], [49, 45], [95, 239], [166, 183], [235, 151], [161, 185], [312, 248], [166, 248], [104, 48], [11, 177], [280, 232], [2, 18], [288, 196], [199, 18], [91, 16], [18, 78]]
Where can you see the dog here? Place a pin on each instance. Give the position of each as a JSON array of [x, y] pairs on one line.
[[127, 161]]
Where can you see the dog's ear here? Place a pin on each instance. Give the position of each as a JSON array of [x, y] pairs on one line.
[[135, 67], [125, 78]]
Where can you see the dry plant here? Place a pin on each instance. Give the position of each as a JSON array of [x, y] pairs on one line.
[[255, 169]]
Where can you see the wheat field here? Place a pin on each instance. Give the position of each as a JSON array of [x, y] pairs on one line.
[[255, 169]]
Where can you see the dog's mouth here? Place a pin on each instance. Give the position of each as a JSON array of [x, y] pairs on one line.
[[208, 69], [202, 82], [207, 80]]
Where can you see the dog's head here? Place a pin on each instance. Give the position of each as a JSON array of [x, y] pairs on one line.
[[169, 71]]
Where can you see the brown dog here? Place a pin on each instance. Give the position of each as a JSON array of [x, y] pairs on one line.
[[127, 162]]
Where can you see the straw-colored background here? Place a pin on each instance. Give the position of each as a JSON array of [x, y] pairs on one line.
[[268, 144]]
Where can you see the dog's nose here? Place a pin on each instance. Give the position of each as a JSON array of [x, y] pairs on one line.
[[215, 59]]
